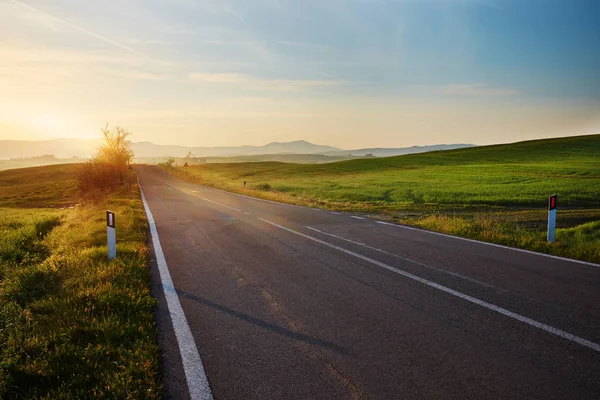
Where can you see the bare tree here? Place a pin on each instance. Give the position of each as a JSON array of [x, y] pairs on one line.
[[116, 150]]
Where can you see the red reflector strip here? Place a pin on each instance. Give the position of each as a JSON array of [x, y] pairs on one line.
[[552, 204]]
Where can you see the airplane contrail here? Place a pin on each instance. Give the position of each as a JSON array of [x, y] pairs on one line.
[[80, 29]]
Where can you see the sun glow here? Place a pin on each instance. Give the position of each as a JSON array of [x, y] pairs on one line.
[[50, 124], [55, 125]]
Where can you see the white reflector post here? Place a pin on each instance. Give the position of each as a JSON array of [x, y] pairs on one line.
[[552, 218], [111, 234]]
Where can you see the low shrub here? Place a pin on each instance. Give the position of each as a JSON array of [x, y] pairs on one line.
[[263, 186], [96, 178], [108, 169]]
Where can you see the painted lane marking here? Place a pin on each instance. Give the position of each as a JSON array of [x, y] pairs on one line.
[[547, 328], [171, 187], [247, 213], [219, 204], [208, 188], [195, 375], [335, 213], [356, 217], [490, 244], [409, 260], [347, 240]]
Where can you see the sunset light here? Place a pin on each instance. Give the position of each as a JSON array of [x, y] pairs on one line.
[[300, 199]]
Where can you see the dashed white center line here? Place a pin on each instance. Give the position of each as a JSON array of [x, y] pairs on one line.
[[487, 243], [531, 322], [356, 217], [407, 259], [219, 204]]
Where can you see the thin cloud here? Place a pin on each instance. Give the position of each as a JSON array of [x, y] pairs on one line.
[[307, 45], [148, 41], [476, 89], [260, 83], [76, 27], [224, 114]]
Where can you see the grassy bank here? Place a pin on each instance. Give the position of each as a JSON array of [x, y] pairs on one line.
[[72, 324], [493, 193], [524, 229]]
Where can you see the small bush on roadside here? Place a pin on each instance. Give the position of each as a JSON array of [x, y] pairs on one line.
[[263, 186], [107, 171], [95, 179]]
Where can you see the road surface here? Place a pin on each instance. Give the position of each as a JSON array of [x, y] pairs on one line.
[[286, 302]]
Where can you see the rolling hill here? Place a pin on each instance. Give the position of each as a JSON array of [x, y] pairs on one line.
[[518, 174], [390, 152]]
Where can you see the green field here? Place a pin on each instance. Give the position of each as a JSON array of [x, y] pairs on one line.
[[37, 162], [495, 193], [72, 324], [48, 186]]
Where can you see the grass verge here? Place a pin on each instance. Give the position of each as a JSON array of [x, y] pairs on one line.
[[74, 325], [579, 242]]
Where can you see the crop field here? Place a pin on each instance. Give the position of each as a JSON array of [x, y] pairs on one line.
[[496, 193], [72, 324]]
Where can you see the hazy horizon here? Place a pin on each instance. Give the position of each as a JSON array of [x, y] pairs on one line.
[[99, 139], [350, 74]]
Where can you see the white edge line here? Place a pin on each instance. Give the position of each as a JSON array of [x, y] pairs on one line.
[[356, 217], [260, 199], [490, 244], [456, 274], [197, 382], [265, 200], [547, 328]]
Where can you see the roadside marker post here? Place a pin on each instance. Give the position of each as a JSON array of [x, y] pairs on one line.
[[552, 218], [111, 235]]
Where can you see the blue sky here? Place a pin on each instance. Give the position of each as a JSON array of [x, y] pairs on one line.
[[353, 73]]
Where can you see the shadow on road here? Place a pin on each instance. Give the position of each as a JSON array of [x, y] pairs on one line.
[[266, 325]]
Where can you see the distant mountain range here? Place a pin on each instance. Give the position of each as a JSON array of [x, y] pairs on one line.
[[148, 149], [67, 148]]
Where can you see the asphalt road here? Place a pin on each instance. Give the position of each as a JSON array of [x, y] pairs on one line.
[[287, 302]]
